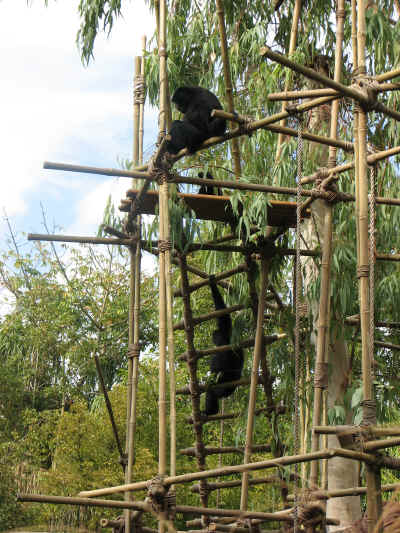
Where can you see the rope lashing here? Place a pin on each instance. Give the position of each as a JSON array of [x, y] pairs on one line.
[[363, 271], [133, 350], [292, 109], [160, 175], [371, 260], [161, 498], [164, 245], [139, 89], [321, 375], [369, 412]]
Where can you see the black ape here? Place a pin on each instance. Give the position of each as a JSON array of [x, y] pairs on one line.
[[208, 189], [197, 125], [228, 365]]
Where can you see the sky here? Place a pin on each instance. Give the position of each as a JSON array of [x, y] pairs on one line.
[[55, 109]]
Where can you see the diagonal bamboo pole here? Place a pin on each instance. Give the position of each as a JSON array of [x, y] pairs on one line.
[[324, 301], [292, 48], [228, 81], [258, 349]]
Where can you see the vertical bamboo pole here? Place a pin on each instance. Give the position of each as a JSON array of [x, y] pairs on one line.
[[292, 48], [324, 302], [141, 115], [134, 305], [163, 202], [258, 348], [228, 82], [372, 473]]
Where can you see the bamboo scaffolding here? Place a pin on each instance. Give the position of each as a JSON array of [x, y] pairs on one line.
[[238, 482], [215, 450], [291, 191], [185, 391], [216, 277], [354, 320], [341, 493], [109, 410], [278, 409], [355, 430], [356, 94], [210, 316], [268, 339], [258, 349], [236, 469], [228, 81], [324, 300]]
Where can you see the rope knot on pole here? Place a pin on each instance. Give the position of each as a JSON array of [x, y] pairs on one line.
[[369, 412], [133, 350], [164, 245], [292, 109], [157, 494], [363, 271], [321, 375], [139, 90]]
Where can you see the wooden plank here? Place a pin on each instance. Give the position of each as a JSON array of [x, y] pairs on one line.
[[218, 208]]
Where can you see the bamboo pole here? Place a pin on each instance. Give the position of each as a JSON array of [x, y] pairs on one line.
[[210, 316], [258, 348], [292, 49], [228, 82], [374, 503], [324, 301], [312, 93], [78, 239], [358, 95], [355, 430], [217, 277], [341, 493], [215, 450]]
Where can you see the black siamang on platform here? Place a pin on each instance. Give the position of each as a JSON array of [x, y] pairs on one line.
[[197, 125], [227, 365]]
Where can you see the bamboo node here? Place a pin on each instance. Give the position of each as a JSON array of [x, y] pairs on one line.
[[321, 375], [164, 246], [363, 271], [369, 412], [133, 350]]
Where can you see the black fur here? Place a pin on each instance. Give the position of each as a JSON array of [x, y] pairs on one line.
[[208, 189], [228, 365], [197, 125]]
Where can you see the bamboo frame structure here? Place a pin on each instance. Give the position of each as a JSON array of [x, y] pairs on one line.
[[333, 90]]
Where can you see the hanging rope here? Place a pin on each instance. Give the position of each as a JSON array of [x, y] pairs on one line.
[[298, 313], [372, 199]]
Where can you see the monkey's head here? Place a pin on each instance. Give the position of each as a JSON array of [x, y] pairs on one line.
[[218, 338], [181, 98]]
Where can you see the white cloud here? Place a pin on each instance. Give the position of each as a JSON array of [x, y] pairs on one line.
[[54, 106]]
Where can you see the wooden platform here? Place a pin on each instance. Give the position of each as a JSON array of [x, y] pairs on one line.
[[218, 208]]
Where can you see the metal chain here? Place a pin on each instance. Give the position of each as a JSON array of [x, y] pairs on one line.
[[297, 328], [372, 215]]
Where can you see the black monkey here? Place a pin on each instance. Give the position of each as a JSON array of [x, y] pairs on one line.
[[228, 365], [197, 125], [208, 189]]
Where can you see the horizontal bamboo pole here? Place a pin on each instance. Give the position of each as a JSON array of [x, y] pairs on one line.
[[210, 316], [95, 170], [354, 320], [85, 502], [278, 409], [184, 509], [223, 471], [115, 232], [355, 430], [268, 339], [341, 493], [388, 257], [312, 93], [217, 277], [389, 345], [78, 239], [350, 92], [185, 391], [245, 186], [373, 445], [214, 450], [238, 482]]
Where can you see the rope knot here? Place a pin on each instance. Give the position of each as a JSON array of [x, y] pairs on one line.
[[363, 271], [369, 412], [133, 350], [292, 109], [139, 89], [160, 175], [321, 376], [156, 492], [164, 246]]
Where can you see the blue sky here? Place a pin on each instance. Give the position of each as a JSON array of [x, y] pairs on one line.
[[53, 108]]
